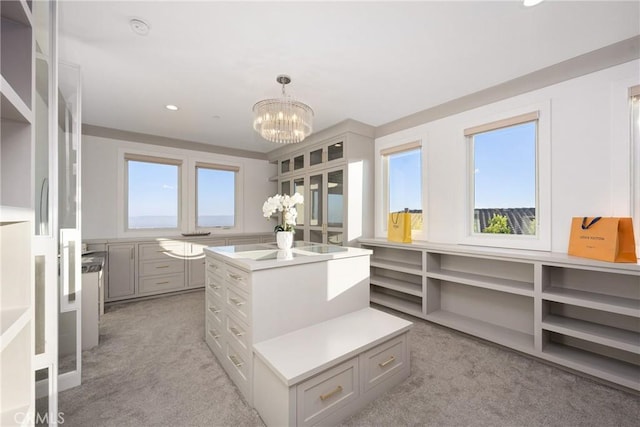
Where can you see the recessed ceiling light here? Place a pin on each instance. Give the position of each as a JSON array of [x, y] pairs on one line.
[[171, 107], [531, 3], [139, 26]]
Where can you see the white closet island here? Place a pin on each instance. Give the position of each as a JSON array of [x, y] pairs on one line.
[[294, 331]]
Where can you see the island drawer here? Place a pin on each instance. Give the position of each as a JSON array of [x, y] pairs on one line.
[[239, 333], [238, 304], [215, 287], [384, 361], [237, 277], [325, 393], [214, 310], [214, 337]]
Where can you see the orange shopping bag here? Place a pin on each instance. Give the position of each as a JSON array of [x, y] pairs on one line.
[[604, 238]]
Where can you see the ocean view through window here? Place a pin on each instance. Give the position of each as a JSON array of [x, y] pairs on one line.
[[153, 194], [216, 195]]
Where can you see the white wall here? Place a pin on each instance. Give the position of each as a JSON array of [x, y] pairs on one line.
[[590, 149], [100, 157]]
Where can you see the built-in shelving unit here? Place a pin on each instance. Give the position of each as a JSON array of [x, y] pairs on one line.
[[16, 325], [577, 313], [17, 390]]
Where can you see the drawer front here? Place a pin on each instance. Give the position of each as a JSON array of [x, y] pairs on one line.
[[325, 393], [384, 360], [215, 268], [239, 334], [167, 266], [236, 277], [161, 250], [214, 337], [238, 304], [149, 285], [215, 287], [239, 367], [214, 312]]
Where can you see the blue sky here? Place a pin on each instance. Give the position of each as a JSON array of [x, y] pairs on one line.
[[216, 192], [153, 189], [504, 169]]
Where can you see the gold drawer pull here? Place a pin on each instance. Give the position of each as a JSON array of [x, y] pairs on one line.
[[162, 266], [236, 332], [214, 334], [236, 301], [331, 393], [162, 283], [386, 362], [162, 251], [235, 361], [235, 276], [214, 286], [214, 310]]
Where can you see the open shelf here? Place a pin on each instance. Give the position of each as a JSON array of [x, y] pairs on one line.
[[619, 372], [498, 334], [397, 285], [397, 303], [12, 321], [10, 417], [405, 267], [12, 107], [601, 334], [584, 313], [487, 282], [610, 303]]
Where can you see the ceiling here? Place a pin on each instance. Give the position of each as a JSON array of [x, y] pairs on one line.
[[374, 62]]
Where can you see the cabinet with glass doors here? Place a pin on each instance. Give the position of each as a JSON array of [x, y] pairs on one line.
[[334, 173]]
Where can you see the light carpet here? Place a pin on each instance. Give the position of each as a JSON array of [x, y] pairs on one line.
[[153, 368]]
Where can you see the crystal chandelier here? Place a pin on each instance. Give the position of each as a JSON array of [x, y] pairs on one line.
[[283, 120]]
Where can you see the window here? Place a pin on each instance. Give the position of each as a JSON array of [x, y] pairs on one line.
[[216, 195], [403, 181], [503, 176], [153, 192]]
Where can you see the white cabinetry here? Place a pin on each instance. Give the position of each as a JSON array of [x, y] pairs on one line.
[[121, 262], [333, 170], [578, 313], [141, 268], [17, 392], [307, 349]]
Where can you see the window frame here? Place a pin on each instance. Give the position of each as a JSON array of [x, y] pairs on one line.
[[130, 156], [187, 193], [383, 156], [542, 239], [634, 136], [236, 180]]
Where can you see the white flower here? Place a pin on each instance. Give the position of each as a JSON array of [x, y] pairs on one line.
[[285, 204]]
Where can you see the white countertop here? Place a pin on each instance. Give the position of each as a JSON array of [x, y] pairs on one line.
[[305, 352], [263, 256]]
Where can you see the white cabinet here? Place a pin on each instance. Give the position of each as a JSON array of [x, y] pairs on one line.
[[333, 170], [577, 313], [121, 262], [196, 261], [307, 350], [17, 392], [141, 268]]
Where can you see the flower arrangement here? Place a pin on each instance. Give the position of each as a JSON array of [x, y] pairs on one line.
[[285, 204]]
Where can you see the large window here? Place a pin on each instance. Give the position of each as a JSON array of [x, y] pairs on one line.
[[153, 192], [503, 176], [216, 195], [403, 181]]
